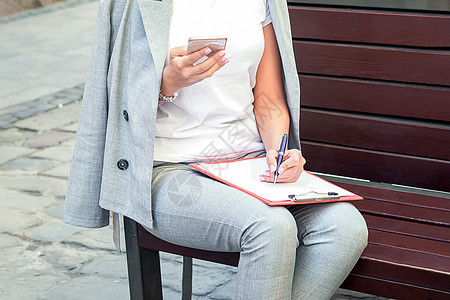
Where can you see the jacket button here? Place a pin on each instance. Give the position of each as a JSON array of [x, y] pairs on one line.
[[123, 164], [125, 115]]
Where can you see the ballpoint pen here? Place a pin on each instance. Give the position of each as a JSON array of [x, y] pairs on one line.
[[283, 144]]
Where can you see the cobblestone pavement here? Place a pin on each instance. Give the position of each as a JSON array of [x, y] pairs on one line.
[[43, 58]]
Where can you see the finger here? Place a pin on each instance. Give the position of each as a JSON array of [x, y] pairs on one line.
[[289, 161], [210, 72], [211, 64], [290, 175], [178, 51], [271, 157], [190, 59], [266, 176]]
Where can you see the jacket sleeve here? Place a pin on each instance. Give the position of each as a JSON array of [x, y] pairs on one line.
[[83, 193]]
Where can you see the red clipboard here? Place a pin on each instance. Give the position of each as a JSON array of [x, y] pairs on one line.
[[344, 195]]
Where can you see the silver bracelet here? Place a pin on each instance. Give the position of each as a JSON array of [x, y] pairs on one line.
[[167, 98]]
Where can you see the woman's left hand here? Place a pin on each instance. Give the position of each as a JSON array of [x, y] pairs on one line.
[[290, 168]]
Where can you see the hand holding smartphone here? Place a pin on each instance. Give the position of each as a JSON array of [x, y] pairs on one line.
[[184, 73]]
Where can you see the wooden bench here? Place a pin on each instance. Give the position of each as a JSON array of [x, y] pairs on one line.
[[375, 107]]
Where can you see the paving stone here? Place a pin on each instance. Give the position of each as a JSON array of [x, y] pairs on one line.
[[171, 273], [76, 91], [54, 231], [24, 202], [52, 119], [14, 136], [32, 111], [69, 143], [68, 259], [61, 171], [13, 109], [164, 256], [48, 139], [8, 241], [108, 266], [59, 191], [72, 127], [14, 221], [45, 99], [29, 183], [56, 211], [168, 294], [12, 246], [67, 99], [60, 153], [171, 270], [7, 118], [206, 279], [28, 277], [6, 125], [88, 288], [94, 238], [28, 165], [11, 152], [32, 88], [226, 291]]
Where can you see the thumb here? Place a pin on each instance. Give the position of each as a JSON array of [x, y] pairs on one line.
[[271, 157]]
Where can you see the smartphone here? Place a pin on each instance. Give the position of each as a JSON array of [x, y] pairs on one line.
[[215, 44]]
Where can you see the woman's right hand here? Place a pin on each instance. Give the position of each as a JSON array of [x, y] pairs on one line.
[[181, 72]]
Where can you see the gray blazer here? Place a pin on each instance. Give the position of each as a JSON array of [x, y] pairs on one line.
[[113, 156]]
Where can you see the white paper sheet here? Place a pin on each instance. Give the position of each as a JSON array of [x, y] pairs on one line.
[[245, 174]]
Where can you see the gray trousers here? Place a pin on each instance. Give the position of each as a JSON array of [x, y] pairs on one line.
[[296, 252]]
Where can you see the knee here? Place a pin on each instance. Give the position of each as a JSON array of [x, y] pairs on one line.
[[274, 229], [352, 225], [340, 222]]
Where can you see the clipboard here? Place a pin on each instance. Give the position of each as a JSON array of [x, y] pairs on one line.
[[243, 174]]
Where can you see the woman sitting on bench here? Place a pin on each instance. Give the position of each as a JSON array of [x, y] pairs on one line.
[[231, 104]]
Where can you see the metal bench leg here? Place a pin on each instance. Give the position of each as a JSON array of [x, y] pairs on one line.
[[187, 278], [144, 271]]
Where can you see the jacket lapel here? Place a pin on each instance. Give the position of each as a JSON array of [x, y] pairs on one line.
[[156, 18]]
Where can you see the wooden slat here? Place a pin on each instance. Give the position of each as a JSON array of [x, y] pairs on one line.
[[406, 212], [399, 260], [402, 273], [415, 229], [405, 242], [377, 166], [376, 97], [391, 135], [420, 200], [384, 288], [430, 67], [370, 27]]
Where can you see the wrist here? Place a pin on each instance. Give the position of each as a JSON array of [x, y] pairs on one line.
[[168, 92], [167, 89]]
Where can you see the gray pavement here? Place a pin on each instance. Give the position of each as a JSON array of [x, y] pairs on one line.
[[43, 63]]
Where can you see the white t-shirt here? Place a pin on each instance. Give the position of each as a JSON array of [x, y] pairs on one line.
[[213, 119]]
